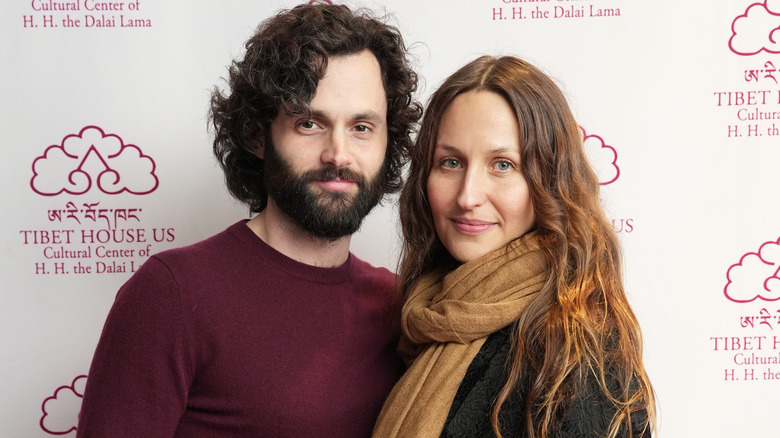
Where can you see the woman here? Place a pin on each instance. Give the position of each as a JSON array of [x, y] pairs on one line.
[[514, 314]]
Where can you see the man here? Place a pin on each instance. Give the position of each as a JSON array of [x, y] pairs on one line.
[[272, 328]]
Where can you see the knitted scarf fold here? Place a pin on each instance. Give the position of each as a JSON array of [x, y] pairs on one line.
[[445, 321]]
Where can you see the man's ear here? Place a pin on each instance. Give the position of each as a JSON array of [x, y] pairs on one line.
[[260, 148]]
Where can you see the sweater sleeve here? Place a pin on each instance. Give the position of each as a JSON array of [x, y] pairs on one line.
[[141, 371]]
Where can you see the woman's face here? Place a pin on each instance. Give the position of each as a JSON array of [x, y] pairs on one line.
[[479, 197]]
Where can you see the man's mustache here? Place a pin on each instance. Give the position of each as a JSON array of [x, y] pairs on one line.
[[331, 173]]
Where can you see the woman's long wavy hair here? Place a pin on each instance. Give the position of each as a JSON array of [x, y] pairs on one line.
[[580, 326], [280, 71]]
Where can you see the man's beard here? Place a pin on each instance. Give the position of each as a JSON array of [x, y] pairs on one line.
[[329, 215]]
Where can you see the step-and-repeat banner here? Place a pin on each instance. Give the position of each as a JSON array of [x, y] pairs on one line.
[[106, 159]]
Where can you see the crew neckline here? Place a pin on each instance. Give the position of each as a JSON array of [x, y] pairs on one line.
[[272, 257]]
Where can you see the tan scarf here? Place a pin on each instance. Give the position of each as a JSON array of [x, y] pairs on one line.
[[445, 321]]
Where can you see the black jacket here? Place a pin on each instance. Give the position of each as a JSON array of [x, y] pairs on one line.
[[469, 417]]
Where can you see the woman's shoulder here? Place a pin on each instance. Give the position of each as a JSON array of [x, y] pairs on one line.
[[591, 412], [469, 414]]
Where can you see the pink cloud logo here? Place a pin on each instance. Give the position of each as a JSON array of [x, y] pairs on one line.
[[755, 276], [602, 157], [61, 410], [93, 158], [758, 29]]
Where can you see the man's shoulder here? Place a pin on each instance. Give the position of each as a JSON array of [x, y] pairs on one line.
[[364, 266], [365, 271], [193, 267], [215, 247]]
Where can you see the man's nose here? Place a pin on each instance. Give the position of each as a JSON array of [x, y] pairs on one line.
[[336, 151]]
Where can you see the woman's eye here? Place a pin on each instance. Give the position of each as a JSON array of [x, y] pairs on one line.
[[503, 166], [450, 163]]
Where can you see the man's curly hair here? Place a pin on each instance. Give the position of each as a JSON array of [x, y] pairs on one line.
[[283, 64]]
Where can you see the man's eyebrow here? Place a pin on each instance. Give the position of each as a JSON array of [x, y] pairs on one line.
[[372, 116], [369, 115]]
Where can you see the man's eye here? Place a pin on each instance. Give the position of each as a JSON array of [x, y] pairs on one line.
[[308, 124]]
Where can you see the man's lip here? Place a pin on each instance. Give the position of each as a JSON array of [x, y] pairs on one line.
[[471, 226], [336, 184]]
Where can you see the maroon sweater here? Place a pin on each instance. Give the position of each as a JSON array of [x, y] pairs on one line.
[[229, 337]]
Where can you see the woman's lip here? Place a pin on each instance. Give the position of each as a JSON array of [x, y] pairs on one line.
[[472, 226]]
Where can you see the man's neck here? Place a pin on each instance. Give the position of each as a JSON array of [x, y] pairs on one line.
[[282, 234]]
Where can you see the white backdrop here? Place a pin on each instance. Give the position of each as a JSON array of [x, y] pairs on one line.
[[107, 159]]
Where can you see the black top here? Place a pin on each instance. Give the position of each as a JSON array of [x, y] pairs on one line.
[[469, 417]]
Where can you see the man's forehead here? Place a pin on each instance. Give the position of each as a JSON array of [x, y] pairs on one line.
[[352, 85]]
